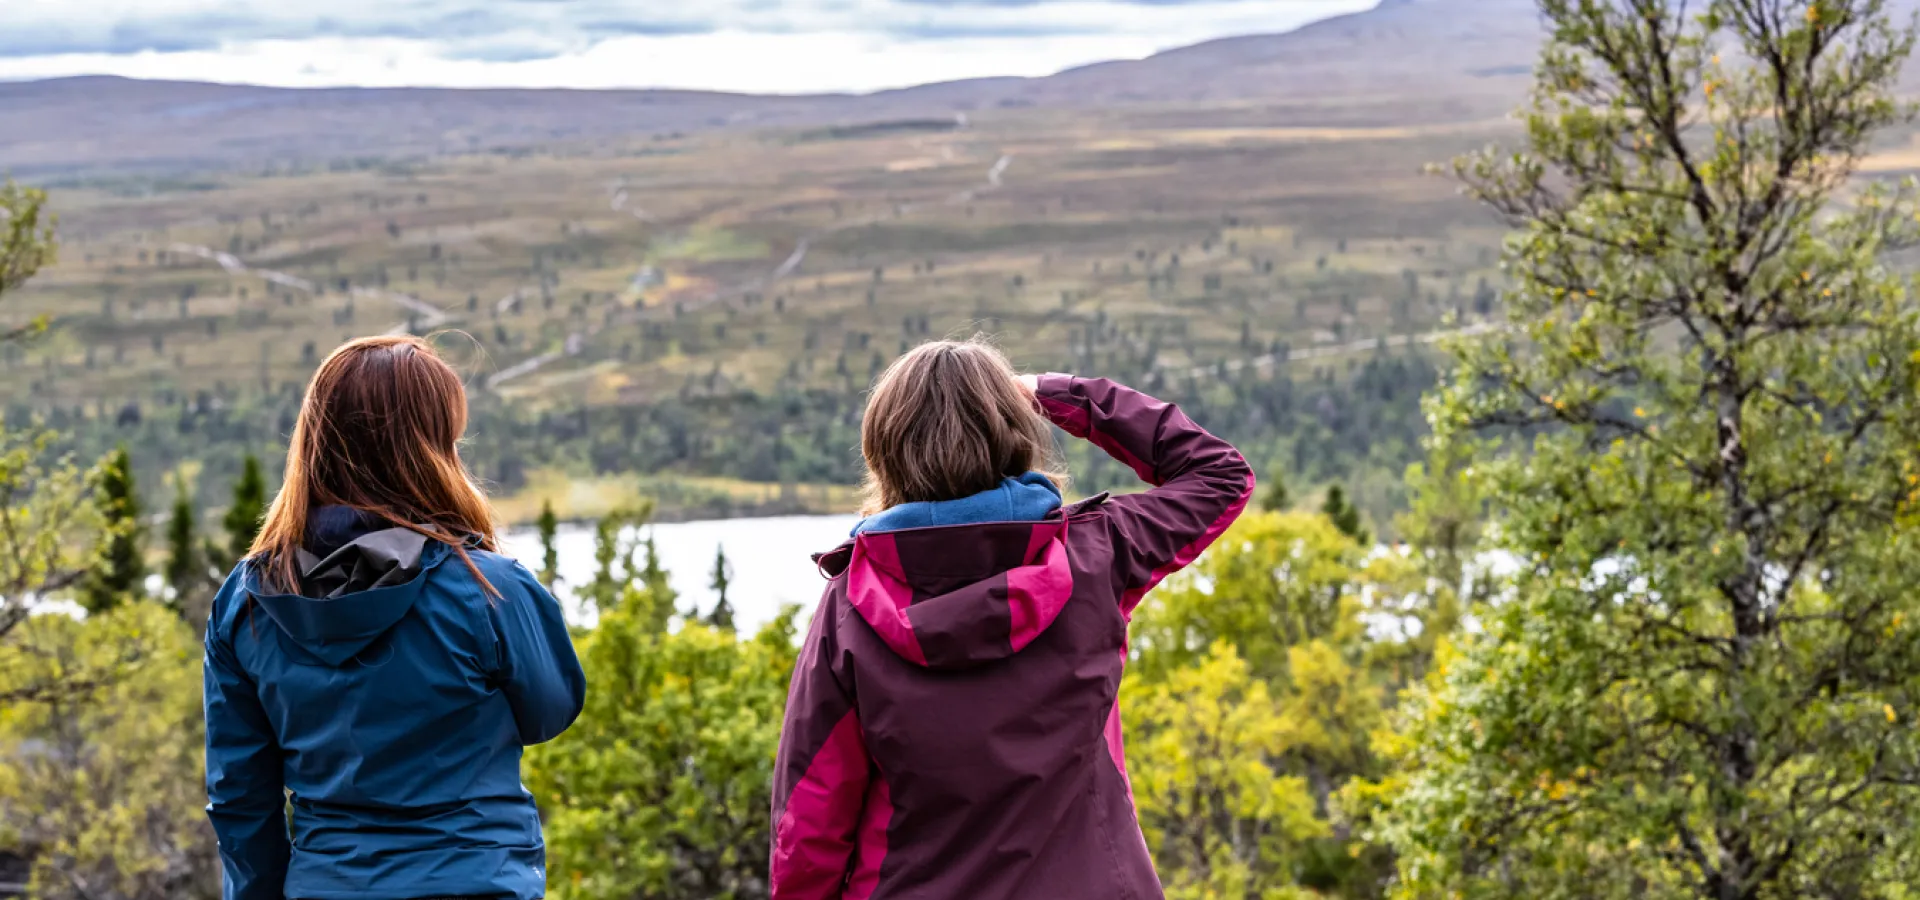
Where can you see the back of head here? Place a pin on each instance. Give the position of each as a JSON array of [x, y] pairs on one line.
[[947, 420], [379, 432]]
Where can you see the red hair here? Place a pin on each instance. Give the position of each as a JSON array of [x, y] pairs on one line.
[[379, 432]]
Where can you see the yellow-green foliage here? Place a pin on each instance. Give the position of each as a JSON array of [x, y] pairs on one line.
[[49, 527], [100, 786], [707, 244], [662, 788], [1272, 582], [1251, 704], [1225, 820]]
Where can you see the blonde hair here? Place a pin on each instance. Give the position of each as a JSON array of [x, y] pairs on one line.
[[379, 432], [948, 420]]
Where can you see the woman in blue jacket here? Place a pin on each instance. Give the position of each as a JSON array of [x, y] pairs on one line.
[[374, 667]]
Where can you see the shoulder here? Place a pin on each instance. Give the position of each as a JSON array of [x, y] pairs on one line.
[[1088, 521], [498, 567], [510, 579], [241, 583], [832, 612]]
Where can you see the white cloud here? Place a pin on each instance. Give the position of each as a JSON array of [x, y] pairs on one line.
[[743, 45]]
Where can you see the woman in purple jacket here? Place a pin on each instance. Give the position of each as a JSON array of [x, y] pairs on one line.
[[953, 728]]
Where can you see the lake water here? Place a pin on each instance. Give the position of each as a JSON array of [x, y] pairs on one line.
[[771, 561]]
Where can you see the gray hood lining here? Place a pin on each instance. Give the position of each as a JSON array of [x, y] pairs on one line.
[[377, 559]]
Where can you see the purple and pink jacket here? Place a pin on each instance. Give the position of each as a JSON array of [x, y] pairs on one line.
[[953, 728]]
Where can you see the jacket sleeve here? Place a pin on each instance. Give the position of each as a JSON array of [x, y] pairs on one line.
[[1200, 482], [538, 669], [820, 775], [246, 795]]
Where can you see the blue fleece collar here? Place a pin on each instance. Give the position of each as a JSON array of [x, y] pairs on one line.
[[1029, 498]]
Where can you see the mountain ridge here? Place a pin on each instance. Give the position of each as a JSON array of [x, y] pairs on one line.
[[1421, 59]]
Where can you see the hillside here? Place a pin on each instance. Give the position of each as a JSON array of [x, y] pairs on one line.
[[1427, 58], [713, 304], [1409, 60], [700, 286]]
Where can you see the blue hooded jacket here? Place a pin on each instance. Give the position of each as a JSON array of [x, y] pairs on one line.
[[389, 705]]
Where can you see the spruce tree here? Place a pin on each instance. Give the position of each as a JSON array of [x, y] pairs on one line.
[[1273, 494], [549, 526], [249, 507], [1345, 516], [185, 572], [722, 576], [652, 582], [119, 568], [605, 589], [653, 577]]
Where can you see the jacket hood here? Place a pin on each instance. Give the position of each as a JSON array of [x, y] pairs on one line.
[[957, 596], [354, 594]]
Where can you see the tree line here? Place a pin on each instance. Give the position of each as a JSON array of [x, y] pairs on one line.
[[1356, 422]]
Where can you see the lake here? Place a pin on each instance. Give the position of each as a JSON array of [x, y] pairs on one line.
[[771, 561]]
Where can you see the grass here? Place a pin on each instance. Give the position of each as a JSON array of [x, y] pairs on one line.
[[706, 245], [588, 498]]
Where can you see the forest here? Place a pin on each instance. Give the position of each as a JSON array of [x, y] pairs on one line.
[[1360, 422], [1648, 624]]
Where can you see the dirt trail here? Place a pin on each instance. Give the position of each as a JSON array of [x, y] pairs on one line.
[[424, 315], [574, 344]]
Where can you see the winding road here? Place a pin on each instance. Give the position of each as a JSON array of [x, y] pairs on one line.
[[424, 315]]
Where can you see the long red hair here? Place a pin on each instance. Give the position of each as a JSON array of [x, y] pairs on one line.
[[379, 431]]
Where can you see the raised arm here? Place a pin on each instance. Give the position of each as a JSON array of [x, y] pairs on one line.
[[820, 776], [1200, 483], [246, 796]]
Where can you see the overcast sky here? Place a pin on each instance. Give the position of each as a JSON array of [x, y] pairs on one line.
[[742, 45]]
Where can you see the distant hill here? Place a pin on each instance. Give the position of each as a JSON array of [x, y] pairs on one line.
[[1407, 59], [1404, 49], [105, 122]]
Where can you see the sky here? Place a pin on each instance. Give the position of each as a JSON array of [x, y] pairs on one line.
[[761, 46]]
